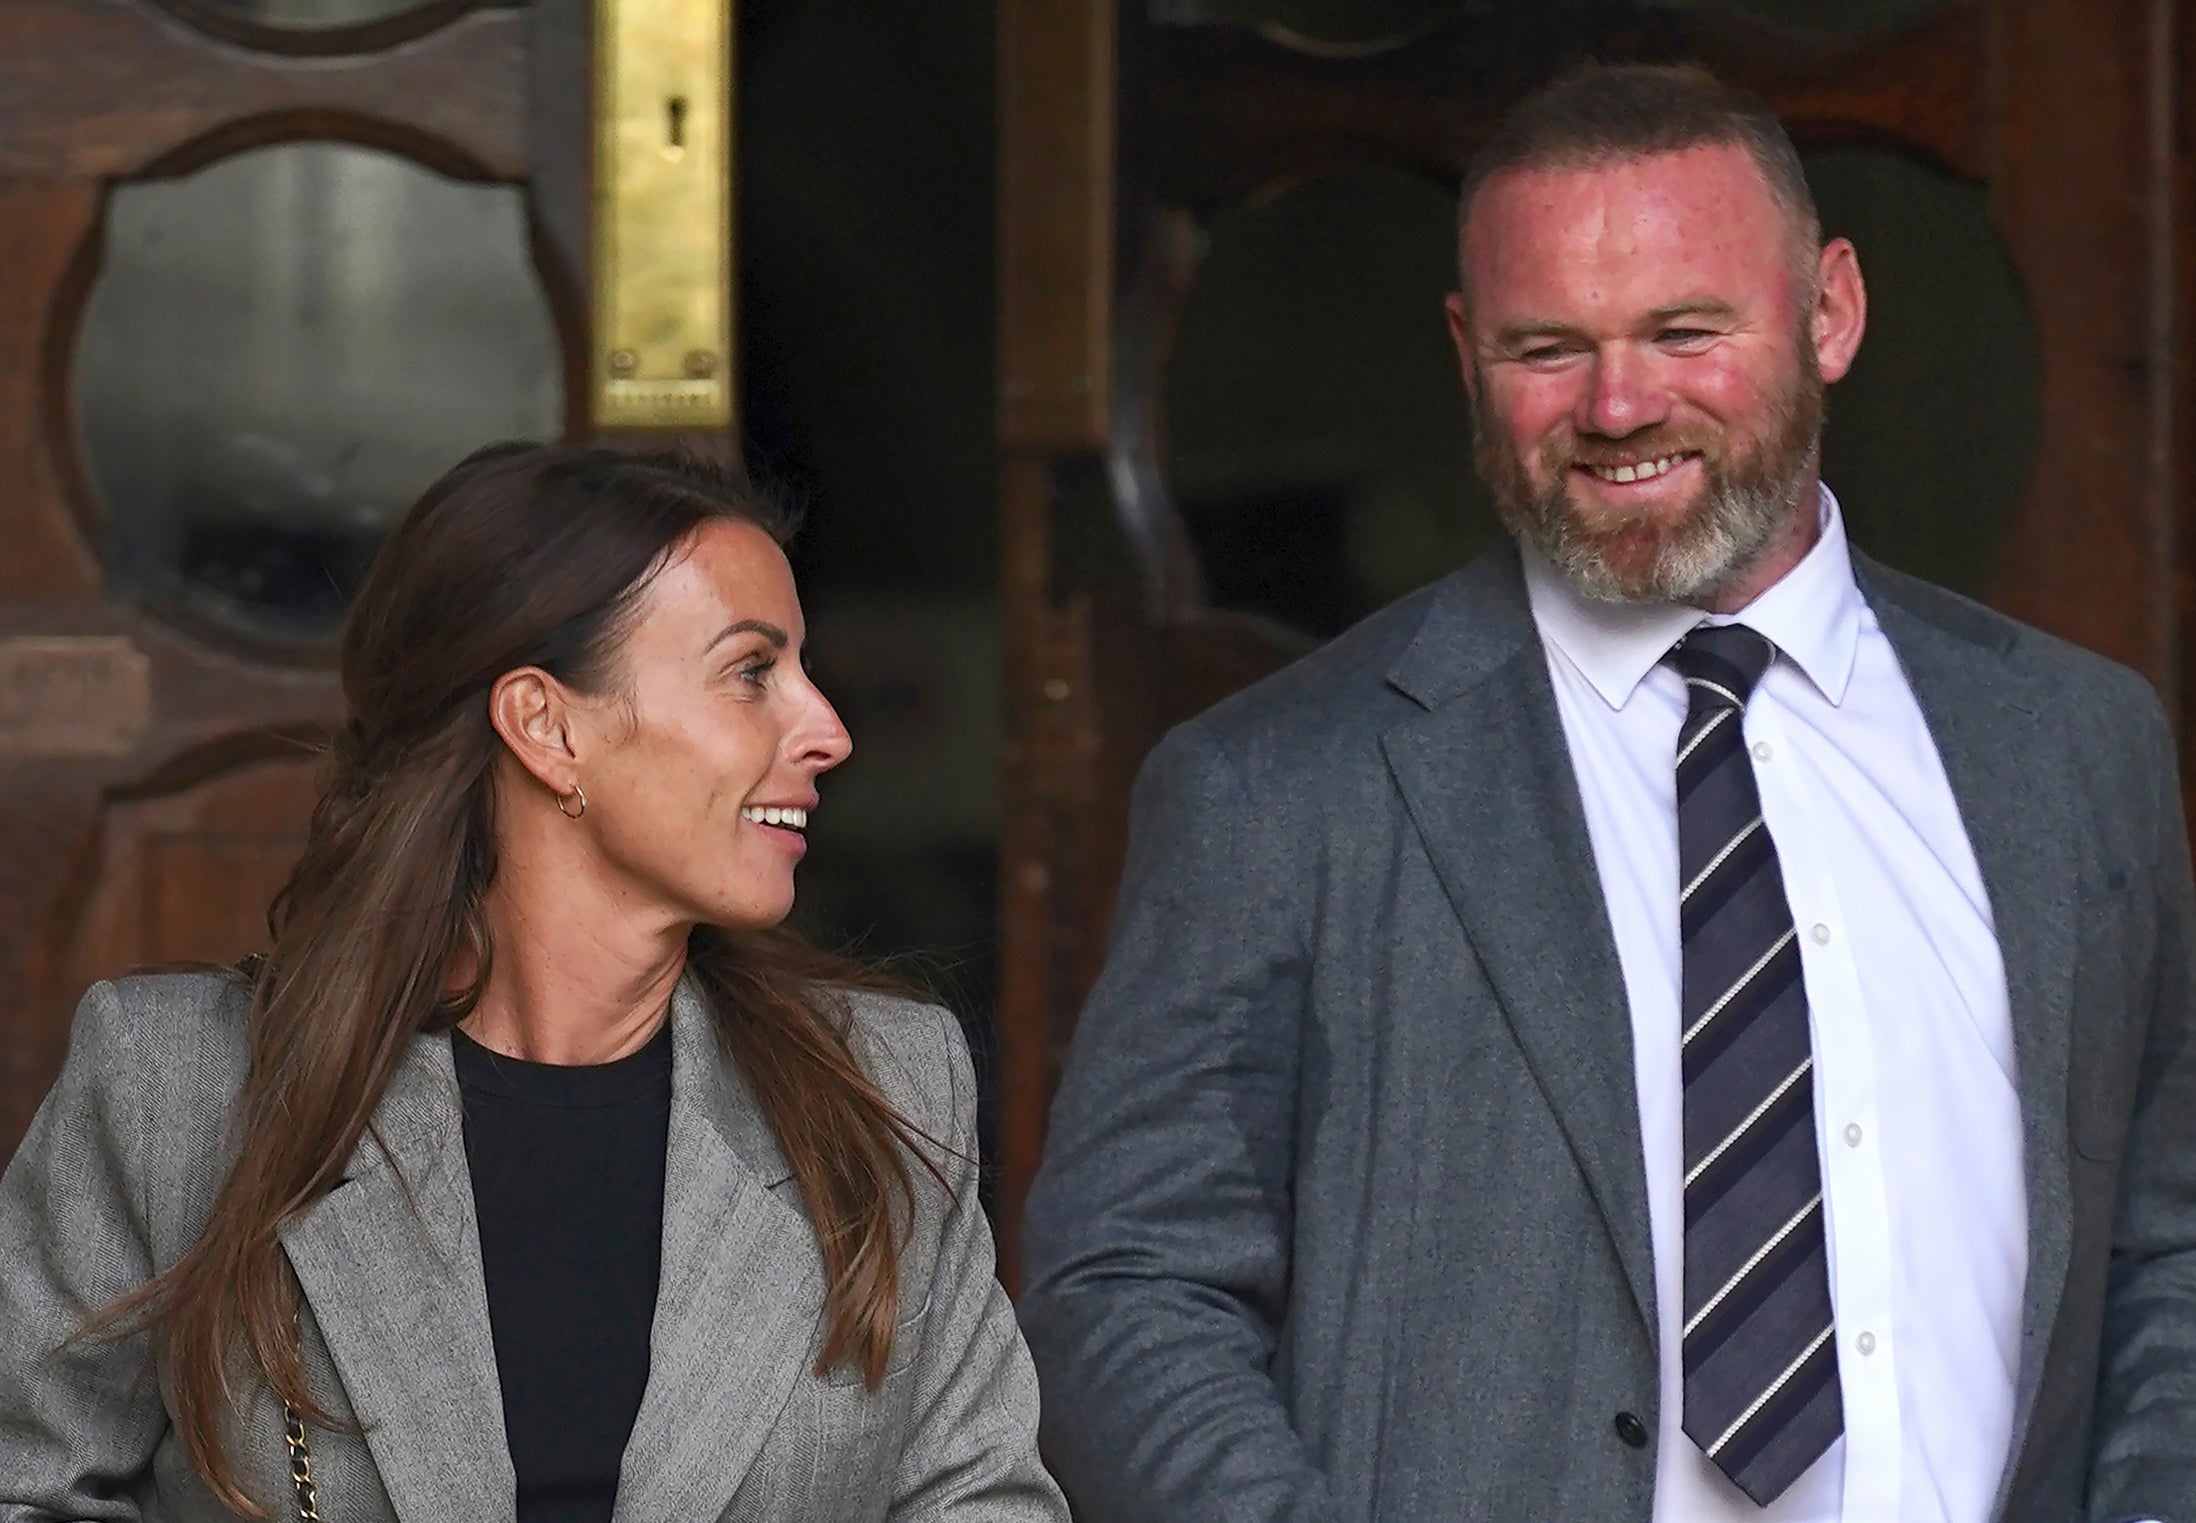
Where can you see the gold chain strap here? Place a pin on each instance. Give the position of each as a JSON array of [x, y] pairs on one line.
[[301, 1465]]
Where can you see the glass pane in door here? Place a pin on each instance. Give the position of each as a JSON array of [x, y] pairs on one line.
[[280, 351]]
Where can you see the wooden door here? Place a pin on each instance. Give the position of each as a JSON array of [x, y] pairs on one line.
[[1123, 138], [158, 728]]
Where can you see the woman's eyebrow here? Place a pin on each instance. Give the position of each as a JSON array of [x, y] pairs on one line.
[[769, 631]]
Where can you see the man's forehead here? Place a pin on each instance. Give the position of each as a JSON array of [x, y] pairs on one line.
[[1715, 182], [1695, 214]]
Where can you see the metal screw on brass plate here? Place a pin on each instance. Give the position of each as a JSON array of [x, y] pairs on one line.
[[623, 362], [700, 364], [1057, 689]]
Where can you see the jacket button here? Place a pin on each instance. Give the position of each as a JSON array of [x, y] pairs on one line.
[[1631, 1430]]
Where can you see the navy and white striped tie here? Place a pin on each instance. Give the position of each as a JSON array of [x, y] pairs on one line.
[[1760, 1346]]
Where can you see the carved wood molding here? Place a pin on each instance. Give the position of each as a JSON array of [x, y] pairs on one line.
[[2084, 190], [415, 20], [191, 696], [168, 98], [1231, 109], [48, 241], [1057, 62]]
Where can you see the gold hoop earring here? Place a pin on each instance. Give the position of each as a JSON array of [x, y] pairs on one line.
[[565, 798]]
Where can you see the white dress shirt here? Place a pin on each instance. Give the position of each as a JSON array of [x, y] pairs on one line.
[[1917, 1114]]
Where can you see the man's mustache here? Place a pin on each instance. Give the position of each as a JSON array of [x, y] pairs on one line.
[[1648, 444]]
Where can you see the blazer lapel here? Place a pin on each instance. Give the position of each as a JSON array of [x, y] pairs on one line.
[[741, 1291], [1485, 773], [390, 1263], [2016, 803]]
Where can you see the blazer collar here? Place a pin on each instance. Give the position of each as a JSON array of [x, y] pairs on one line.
[[2016, 799], [741, 1298], [1484, 773], [390, 1263]]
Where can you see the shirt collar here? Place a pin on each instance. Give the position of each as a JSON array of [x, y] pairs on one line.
[[1813, 615]]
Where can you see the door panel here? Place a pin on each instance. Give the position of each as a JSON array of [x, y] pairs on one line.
[[147, 902], [158, 753]]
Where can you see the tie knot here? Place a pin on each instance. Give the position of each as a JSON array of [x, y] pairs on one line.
[[1722, 662]]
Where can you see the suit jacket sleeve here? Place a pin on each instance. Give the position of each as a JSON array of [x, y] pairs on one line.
[[2144, 1461], [972, 1454], [1157, 1233], [79, 1418]]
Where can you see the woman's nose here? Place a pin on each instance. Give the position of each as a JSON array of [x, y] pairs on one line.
[[820, 740]]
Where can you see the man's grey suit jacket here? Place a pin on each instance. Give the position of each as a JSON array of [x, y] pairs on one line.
[[117, 1173], [1343, 1213]]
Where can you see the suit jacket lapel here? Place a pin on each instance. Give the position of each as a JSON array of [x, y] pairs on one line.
[[390, 1262], [738, 1305], [1486, 775], [2016, 803]]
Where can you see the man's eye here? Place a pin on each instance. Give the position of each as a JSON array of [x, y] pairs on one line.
[[1684, 336], [1544, 354]]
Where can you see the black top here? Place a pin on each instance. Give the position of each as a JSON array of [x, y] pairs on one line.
[[567, 1167]]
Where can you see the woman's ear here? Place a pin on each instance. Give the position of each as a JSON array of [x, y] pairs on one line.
[[532, 712]]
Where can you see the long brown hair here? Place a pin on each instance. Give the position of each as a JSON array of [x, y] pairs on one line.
[[522, 555]]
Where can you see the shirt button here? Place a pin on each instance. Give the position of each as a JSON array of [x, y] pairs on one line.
[[1631, 1430], [1866, 1343], [1763, 751], [1821, 933], [1852, 1134]]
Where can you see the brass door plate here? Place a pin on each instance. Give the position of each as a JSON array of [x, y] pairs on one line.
[[663, 215]]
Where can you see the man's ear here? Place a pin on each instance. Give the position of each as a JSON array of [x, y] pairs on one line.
[[532, 712], [1460, 334], [1841, 309]]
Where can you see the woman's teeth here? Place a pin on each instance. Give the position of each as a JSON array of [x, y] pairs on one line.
[[792, 819], [1645, 470]]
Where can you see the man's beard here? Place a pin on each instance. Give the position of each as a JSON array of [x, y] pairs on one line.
[[1748, 496]]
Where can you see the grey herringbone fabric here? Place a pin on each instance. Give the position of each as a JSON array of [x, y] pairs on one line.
[[1761, 1363], [114, 1181]]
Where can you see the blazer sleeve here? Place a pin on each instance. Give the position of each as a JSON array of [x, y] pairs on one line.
[[79, 1417], [1156, 1236], [971, 1454], [2144, 1455]]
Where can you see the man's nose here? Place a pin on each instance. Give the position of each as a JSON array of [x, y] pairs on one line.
[[1622, 396]]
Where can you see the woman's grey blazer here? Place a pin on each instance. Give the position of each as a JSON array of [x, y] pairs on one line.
[[115, 1179]]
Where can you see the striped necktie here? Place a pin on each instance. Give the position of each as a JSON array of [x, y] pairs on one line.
[[1760, 1347]]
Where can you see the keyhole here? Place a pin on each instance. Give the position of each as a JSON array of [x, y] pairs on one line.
[[675, 126]]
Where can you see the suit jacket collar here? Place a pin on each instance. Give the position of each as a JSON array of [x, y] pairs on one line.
[[390, 1263], [1484, 772]]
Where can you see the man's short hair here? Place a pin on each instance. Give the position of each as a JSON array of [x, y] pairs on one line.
[[1598, 114]]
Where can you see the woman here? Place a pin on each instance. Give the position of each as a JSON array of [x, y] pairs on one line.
[[535, 1175]]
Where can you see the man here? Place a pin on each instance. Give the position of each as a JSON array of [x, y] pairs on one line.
[[1675, 1021]]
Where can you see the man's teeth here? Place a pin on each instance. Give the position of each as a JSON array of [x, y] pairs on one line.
[[1644, 471], [797, 819]]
